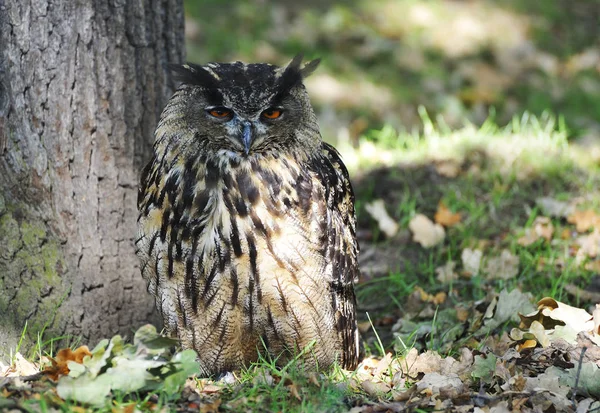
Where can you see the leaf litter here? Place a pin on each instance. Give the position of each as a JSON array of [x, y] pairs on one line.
[[447, 355]]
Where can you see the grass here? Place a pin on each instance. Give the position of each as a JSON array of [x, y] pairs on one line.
[[396, 55], [499, 173], [502, 172]]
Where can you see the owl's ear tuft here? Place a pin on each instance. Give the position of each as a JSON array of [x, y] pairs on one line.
[[192, 74], [293, 74], [309, 68]]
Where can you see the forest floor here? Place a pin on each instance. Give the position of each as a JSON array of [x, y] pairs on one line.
[[480, 255], [480, 245]]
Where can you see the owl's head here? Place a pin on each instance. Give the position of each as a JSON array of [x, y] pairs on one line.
[[245, 109]]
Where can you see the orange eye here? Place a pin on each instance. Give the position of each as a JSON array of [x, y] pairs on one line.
[[219, 112], [271, 113]]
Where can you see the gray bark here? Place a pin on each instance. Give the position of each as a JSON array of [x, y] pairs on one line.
[[82, 83]]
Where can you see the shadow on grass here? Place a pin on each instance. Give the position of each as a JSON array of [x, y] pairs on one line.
[[494, 209]]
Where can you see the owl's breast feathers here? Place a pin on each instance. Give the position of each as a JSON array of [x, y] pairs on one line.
[[239, 250]]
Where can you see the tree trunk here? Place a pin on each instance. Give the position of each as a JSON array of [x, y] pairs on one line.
[[82, 83]]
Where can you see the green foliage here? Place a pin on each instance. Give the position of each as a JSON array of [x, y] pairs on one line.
[[145, 365], [484, 368]]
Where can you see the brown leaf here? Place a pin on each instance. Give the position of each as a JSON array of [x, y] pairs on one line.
[[446, 273], [375, 389], [471, 260], [462, 314], [448, 168], [583, 295], [20, 367], [445, 217], [60, 362], [584, 220], [293, 388], [386, 224], [211, 407], [542, 228], [504, 267], [593, 266], [425, 231], [437, 299], [526, 344], [589, 245]]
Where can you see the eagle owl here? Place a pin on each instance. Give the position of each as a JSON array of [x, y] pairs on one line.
[[246, 221]]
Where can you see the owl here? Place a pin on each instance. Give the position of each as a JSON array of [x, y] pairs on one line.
[[246, 228]]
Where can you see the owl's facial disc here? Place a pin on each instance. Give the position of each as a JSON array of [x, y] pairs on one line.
[[243, 130]]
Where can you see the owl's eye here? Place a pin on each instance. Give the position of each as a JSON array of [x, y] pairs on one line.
[[271, 113], [220, 113]]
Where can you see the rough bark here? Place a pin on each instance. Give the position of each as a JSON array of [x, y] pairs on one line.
[[82, 83]]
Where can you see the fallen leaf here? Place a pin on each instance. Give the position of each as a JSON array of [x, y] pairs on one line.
[[506, 307], [436, 383], [448, 168], [293, 388], [554, 208], [583, 295], [446, 273], [19, 367], [375, 389], [425, 232], [484, 368], [584, 220], [541, 228], [471, 260], [436, 299], [462, 314], [552, 386], [445, 217], [566, 234], [589, 244], [526, 344], [504, 267], [577, 318], [63, 357], [386, 224], [596, 318], [537, 329], [593, 266]]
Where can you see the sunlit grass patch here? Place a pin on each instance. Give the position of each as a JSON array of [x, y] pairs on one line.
[[492, 176]]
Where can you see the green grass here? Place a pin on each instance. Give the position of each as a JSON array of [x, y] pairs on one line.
[[501, 171], [400, 48]]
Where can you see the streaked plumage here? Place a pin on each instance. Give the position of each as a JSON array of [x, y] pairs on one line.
[[246, 225]]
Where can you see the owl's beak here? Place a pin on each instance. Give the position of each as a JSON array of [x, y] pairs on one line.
[[247, 136]]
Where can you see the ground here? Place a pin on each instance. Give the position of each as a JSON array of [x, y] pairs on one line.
[[475, 161]]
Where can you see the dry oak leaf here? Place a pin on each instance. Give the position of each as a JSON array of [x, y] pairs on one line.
[[386, 224], [20, 367], [555, 208], [504, 267], [553, 320], [446, 273], [542, 228], [445, 217], [437, 299], [471, 260], [60, 362], [448, 168], [589, 245], [584, 220], [425, 231]]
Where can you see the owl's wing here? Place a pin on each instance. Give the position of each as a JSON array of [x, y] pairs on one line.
[[342, 249]]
